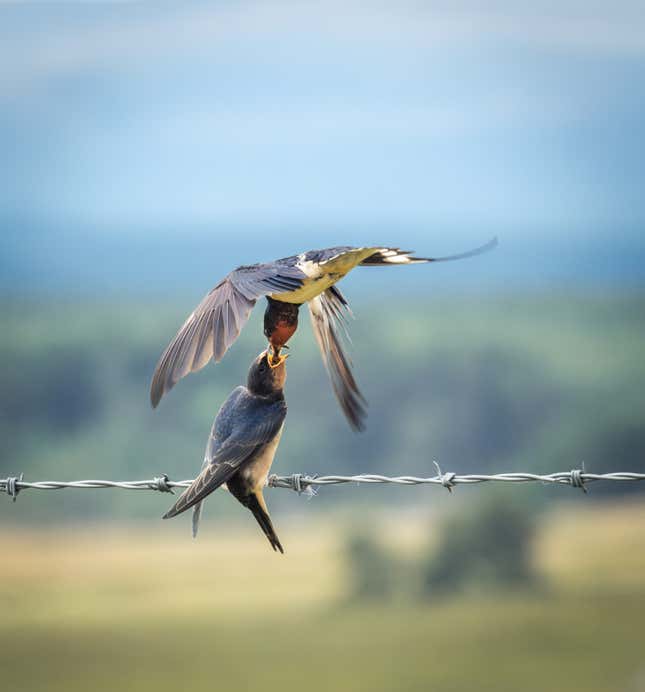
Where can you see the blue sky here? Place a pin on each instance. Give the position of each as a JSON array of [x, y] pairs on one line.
[[444, 122]]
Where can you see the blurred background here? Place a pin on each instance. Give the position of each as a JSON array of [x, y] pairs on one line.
[[147, 149]]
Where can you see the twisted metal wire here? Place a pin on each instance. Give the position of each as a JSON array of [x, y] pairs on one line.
[[575, 478], [303, 483]]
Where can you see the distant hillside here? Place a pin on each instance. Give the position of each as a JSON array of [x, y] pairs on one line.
[[541, 382]]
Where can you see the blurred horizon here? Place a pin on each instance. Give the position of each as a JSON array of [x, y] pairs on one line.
[[153, 263]]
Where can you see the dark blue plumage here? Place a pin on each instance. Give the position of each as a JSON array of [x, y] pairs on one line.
[[242, 444]]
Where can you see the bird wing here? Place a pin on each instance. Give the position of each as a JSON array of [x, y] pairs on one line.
[[329, 312], [213, 326], [223, 426], [256, 428]]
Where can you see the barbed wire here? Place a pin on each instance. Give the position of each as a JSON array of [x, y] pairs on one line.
[[307, 484]]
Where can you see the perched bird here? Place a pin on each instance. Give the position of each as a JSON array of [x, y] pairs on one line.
[[242, 444], [287, 283]]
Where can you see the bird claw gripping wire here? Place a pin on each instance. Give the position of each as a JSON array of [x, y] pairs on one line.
[[446, 479], [10, 486]]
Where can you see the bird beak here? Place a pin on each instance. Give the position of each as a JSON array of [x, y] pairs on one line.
[[277, 359], [277, 362]]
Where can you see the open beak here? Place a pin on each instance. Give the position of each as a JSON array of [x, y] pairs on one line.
[[274, 358]]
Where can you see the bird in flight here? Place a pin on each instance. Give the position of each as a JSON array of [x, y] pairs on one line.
[[242, 444], [287, 283]]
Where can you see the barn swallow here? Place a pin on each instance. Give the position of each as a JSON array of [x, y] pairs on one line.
[[242, 444], [287, 283]]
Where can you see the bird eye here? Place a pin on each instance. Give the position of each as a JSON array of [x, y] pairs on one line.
[[263, 365]]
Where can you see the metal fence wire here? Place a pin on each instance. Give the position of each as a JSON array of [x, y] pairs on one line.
[[308, 484]]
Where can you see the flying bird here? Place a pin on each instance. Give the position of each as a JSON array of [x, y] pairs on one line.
[[243, 441], [287, 283]]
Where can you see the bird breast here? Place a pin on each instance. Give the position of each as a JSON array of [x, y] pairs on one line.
[[255, 473]]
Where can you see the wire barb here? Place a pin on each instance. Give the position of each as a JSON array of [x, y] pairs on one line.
[[299, 482], [446, 479], [577, 479], [296, 479], [160, 483], [11, 487]]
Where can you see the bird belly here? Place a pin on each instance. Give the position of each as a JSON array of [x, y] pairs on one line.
[[322, 275], [255, 473], [310, 289]]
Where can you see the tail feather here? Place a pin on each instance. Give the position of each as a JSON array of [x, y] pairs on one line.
[[197, 509], [197, 514], [393, 255], [256, 504]]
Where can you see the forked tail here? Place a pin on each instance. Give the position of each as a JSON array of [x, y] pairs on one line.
[[256, 504], [391, 255]]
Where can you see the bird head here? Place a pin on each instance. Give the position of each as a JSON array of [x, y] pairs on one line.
[[267, 373]]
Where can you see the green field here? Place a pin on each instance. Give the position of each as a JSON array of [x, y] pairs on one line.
[[148, 609]]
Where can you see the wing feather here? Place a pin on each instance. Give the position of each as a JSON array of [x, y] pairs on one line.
[[217, 321], [212, 477], [204, 350], [329, 312]]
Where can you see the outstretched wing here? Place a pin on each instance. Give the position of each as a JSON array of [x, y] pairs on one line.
[[329, 312], [254, 428], [214, 325]]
